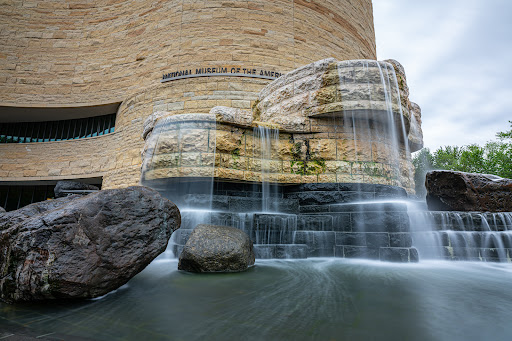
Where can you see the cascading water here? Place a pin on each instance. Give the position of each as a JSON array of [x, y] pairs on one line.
[[470, 236], [180, 163], [268, 140], [362, 214]]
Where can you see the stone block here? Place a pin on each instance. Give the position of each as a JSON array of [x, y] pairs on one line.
[[315, 222], [294, 251], [350, 239], [394, 254], [360, 252], [400, 240], [380, 221], [377, 240]]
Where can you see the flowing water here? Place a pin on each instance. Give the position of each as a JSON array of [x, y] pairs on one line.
[[305, 299], [319, 299], [268, 140], [464, 235]]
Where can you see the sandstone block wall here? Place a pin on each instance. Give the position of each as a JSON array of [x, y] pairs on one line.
[[78, 53], [88, 52]]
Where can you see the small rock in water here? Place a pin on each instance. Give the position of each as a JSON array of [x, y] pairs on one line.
[[459, 191], [85, 247], [213, 248]]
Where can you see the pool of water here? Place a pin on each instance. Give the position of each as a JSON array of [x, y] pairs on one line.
[[313, 299]]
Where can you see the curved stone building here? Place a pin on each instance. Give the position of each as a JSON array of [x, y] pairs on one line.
[[79, 78]]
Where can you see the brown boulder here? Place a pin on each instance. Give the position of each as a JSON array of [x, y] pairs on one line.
[[86, 247], [213, 248], [459, 191]]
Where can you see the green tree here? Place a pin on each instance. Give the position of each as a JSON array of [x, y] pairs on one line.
[[447, 158], [494, 157], [503, 135]]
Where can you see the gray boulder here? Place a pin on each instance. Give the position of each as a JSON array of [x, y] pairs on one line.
[[86, 247], [14, 217], [2, 210], [213, 248], [64, 188], [459, 191]]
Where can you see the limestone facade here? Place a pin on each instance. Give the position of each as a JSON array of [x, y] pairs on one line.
[[80, 53]]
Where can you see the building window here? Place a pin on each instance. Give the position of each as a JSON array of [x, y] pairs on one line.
[[14, 197], [26, 132]]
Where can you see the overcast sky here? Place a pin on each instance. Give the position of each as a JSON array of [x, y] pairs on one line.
[[457, 56]]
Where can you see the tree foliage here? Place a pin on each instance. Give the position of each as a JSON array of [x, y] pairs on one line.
[[494, 157]]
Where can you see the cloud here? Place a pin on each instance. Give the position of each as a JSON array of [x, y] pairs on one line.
[[455, 54]]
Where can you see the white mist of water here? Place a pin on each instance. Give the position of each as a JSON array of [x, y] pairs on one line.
[[268, 140], [180, 164]]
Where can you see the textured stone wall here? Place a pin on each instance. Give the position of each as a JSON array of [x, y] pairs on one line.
[[334, 127], [88, 52], [57, 160], [66, 53]]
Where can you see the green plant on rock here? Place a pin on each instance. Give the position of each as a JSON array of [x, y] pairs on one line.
[[296, 151], [372, 169], [235, 153]]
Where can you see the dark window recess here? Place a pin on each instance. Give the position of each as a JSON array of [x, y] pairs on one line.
[[14, 197], [25, 132], [17, 196]]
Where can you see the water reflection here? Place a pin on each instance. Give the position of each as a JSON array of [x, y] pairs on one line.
[[314, 299]]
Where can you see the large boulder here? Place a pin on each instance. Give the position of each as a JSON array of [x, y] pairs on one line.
[[213, 248], [86, 247], [65, 188], [459, 191], [14, 217], [2, 210]]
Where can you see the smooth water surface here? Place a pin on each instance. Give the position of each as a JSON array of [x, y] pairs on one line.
[[314, 299]]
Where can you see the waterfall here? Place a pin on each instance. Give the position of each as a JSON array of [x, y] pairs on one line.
[[268, 141], [470, 236], [363, 213], [180, 163], [372, 115]]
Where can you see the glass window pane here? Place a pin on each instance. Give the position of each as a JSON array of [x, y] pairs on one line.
[[13, 198], [26, 196], [47, 131], [56, 134], [29, 133], [3, 195], [39, 194], [85, 126], [94, 130], [112, 123], [40, 131], [67, 130]]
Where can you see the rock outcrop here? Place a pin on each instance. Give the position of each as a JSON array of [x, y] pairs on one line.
[[64, 188], [234, 116], [149, 123], [459, 191], [415, 132], [2, 210], [86, 247], [213, 248]]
